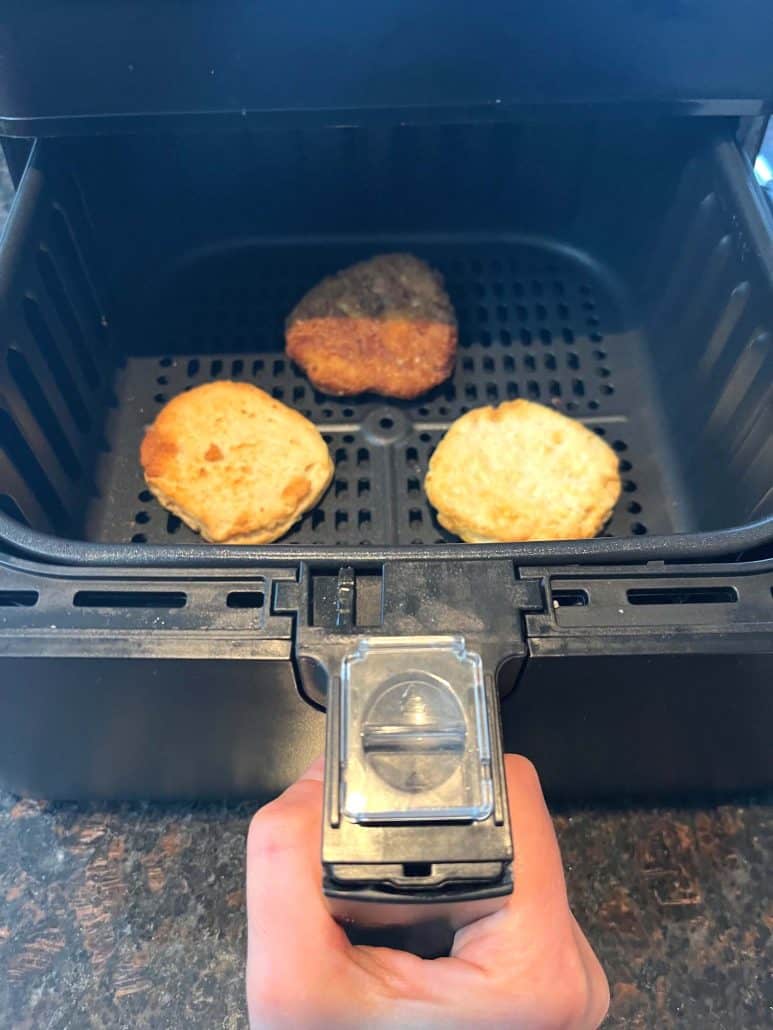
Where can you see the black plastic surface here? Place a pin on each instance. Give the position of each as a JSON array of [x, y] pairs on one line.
[[650, 319], [82, 67], [533, 319], [117, 700]]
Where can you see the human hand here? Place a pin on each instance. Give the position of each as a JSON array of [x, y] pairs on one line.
[[528, 965]]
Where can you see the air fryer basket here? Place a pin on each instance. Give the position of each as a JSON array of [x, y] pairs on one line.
[[624, 277]]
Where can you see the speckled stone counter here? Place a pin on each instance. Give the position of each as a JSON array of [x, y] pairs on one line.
[[133, 915]]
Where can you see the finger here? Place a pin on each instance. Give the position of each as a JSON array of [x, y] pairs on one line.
[[286, 914], [538, 901], [598, 985]]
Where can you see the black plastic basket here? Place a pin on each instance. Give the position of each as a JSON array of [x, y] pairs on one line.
[[627, 282], [624, 276]]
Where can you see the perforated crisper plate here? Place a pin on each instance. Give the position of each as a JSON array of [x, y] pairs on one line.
[[534, 321]]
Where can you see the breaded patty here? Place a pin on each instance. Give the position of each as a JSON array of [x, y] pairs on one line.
[[385, 325], [522, 471], [235, 464]]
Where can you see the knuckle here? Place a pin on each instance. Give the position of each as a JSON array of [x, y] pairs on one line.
[[272, 830]]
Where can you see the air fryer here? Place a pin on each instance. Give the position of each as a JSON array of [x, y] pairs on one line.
[[583, 186]]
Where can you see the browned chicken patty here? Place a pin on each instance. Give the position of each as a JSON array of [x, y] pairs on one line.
[[384, 325]]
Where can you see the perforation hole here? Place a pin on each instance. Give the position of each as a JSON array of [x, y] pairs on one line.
[[139, 538], [341, 519], [572, 360], [173, 524], [546, 336], [162, 380], [607, 389], [317, 518], [159, 398], [413, 486], [638, 528], [215, 367], [415, 518], [363, 518], [142, 518], [341, 487], [525, 337], [145, 496], [363, 456], [567, 334], [411, 455], [629, 486], [633, 507], [363, 487], [425, 437]]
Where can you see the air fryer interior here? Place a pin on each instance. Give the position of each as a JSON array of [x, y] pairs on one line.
[[604, 269]]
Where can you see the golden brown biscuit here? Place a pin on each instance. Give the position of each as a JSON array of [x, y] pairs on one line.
[[522, 471], [235, 464], [384, 325]]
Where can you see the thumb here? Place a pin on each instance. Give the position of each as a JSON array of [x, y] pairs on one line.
[[288, 925]]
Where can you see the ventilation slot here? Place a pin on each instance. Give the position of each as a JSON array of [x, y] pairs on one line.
[[570, 599], [683, 595], [67, 316], [245, 599], [18, 598], [13, 444], [41, 410], [72, 261], [130, 599], [416, 869], [10, 508], [53, 357]]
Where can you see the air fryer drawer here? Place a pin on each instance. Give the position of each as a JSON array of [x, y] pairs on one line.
[[627, 282]]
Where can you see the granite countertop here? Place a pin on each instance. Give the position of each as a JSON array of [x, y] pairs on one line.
[[133, 915]]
